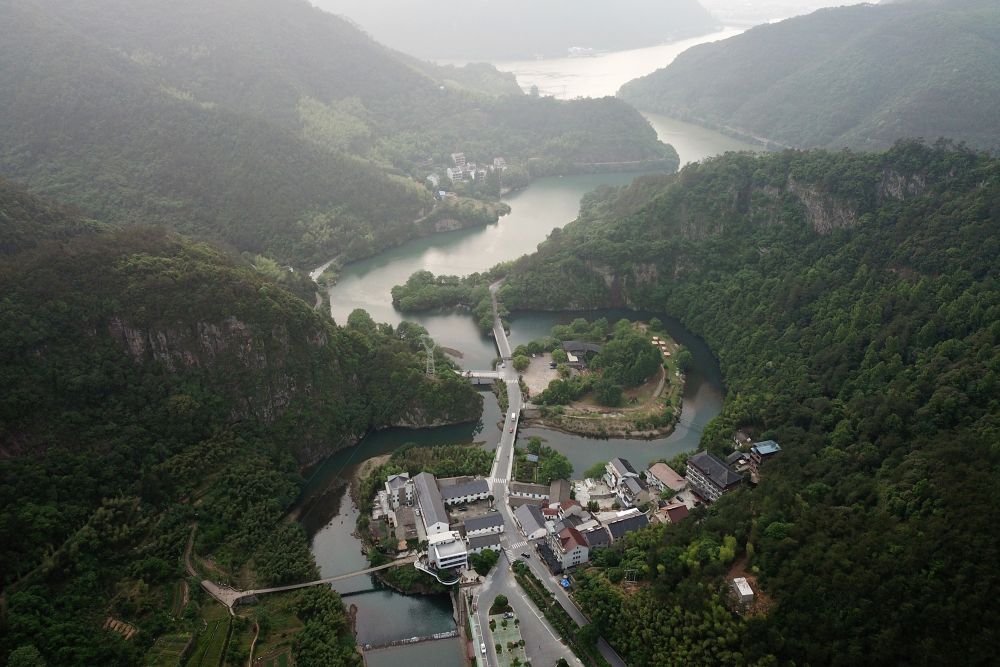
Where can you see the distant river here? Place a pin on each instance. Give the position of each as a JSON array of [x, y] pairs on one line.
[[602, 74], [548, 203]]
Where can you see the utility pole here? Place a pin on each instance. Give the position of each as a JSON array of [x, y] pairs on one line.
[[429, 346]]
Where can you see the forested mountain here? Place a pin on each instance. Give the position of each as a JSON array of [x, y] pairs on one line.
[[267, 125], [854, 304], [152, 384], [522, 29], [861, 77]]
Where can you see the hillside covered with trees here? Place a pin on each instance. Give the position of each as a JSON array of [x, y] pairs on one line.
[[862, 77], [272, 127], [853, 302], [152, 386]]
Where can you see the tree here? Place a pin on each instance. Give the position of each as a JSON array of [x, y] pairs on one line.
[[559, 356], [684, 360], [595, 471], [592, 506], [607, 392], [521, 363], [655, 324], [26, 656]]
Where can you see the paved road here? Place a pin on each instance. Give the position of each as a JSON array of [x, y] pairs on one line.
[[512, 541]]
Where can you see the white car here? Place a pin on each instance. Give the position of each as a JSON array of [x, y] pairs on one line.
[[482, 649]]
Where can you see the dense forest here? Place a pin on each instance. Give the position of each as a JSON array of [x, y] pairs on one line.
[[152, 386], [523, 29], [860, 77], [853, 302], [269, 126]]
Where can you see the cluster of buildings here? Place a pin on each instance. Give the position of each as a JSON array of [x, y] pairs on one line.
[[417, 508], [563, 531], [463, 170]]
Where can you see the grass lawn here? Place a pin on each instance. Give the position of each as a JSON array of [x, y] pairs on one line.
[[506, 637]]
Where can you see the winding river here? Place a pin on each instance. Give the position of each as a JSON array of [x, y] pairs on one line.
[[547, 204]]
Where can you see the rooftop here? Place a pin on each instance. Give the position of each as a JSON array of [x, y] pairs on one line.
[[525, 488], [397, 481], [579, 346], [472, 488], [570, 538], [667, 476], [627, 525], [483, 522], [598, 537], [429, 499], [484, 541], [559, 490], [530, 517], [622, 467], [718, 472], [766, 447], [634, 485]]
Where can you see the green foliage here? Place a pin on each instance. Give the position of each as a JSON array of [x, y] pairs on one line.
[[151, 384], [484, 561], [595, 471], [857, 76], [852, 301], [521, 363], [629, 359], [323, 156]]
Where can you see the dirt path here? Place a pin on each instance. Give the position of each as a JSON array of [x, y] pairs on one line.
[[253, 642], [187, 552]]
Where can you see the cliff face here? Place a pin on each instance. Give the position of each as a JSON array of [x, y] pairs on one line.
[[101, 318], [635, 241]]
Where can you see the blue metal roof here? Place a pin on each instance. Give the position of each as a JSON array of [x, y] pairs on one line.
[[766, 447]]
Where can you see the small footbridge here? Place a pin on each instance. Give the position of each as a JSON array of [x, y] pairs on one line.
[[230, 596]]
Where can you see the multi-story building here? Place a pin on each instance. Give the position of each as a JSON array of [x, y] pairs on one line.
[[399, 489], [569, 547], [617, 470], [663, 478], [633, 491], [625, 523], [710, 477], [447, 550]]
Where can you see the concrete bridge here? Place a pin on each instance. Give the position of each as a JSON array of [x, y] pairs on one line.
[[230, 596], [412, 640]]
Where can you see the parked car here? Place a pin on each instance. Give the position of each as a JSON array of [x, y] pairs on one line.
[[552, 364], [482, 648], [508, 614], [525, 555]]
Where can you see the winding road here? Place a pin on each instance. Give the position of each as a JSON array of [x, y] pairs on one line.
[[501, 580]]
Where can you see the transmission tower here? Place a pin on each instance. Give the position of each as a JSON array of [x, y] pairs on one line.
[[429, 346]]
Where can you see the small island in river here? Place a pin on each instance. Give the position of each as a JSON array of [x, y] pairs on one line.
[[599, 380]]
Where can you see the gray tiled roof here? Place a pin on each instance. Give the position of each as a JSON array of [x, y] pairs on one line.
[[627, 525], [475, 487], [525, 488], [622, 467], [530, 517], [484, 541], [429, 498], [598, 537], [721, 475], [483, 522]]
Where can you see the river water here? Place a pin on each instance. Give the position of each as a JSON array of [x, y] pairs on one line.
[[547, 204]]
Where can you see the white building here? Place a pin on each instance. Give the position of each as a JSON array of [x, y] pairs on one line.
[[484, 525], [529, 491], [399, 490], [742, 589], [447, 550], [531, 521], [464, 492], [662, 477], [617, 470], [432, 511]]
